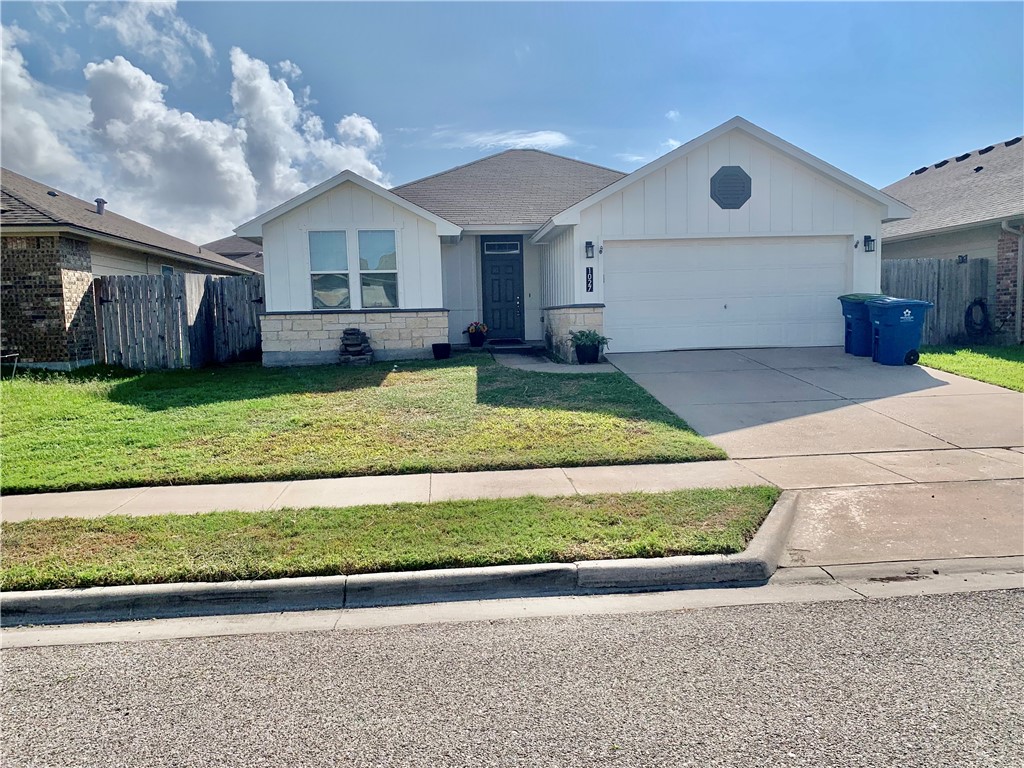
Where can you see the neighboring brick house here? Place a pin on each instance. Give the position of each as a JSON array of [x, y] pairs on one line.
[[246, 253], [51, 246], [969, 206]]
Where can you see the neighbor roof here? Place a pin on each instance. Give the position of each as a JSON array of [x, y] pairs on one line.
[[27, 203], [517, 187], [245, 252], [952, 193]]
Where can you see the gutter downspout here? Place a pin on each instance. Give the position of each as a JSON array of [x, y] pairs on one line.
[[1019, 234]]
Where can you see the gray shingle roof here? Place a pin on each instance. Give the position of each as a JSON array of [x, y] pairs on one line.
[[27, 203], [245, 252], [951, 193], [516, 187]]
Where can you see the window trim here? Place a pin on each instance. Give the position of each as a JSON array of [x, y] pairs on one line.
[[347, 272], [166, 269], [395, 271]]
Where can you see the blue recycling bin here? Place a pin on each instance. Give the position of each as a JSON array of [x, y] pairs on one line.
[[858, 324], [896, 329]]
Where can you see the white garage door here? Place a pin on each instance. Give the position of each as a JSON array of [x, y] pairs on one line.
[[707, 294]]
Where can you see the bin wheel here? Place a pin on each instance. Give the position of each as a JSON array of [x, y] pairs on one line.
[[912, 357]]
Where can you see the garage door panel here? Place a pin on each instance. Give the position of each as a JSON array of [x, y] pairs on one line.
[[729, 293]]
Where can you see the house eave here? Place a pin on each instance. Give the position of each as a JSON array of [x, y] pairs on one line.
[[124, 242], [947, 230]]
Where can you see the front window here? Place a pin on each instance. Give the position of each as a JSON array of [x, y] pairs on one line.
[[378, 268], [328, 265]]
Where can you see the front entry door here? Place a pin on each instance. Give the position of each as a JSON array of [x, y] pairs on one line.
[[501, 259]]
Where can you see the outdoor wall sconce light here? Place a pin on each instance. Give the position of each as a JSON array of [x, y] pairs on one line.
[[869, 244], [589, 249]]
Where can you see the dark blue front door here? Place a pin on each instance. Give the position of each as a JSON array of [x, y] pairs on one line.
[[501, 261]]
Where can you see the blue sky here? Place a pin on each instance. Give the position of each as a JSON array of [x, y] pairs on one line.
[[877, 89]]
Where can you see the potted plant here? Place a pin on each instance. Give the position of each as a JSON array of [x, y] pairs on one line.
[[477, 333], [588, 345]]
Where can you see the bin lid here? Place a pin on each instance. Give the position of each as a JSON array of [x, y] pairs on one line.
[[860, 298], [892, 301]]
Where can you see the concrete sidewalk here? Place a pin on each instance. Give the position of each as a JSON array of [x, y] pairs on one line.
[[788, 473]]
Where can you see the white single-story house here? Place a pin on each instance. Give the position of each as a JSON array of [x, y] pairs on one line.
[[969, 207], [734, 239]]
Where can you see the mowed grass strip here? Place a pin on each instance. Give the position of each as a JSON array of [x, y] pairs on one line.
[[222, 546], [111, 428], [1002, 366]]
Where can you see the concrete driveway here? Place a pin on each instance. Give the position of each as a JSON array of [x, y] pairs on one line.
[[758, 403]]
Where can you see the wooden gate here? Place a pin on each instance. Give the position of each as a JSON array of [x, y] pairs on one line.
[[949, 285], [177, 321]]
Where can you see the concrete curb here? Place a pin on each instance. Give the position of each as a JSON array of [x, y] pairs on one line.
[[754, 565]]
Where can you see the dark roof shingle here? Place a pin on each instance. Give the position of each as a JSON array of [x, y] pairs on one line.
[[952, 193], [517, 187], [26, 202], [239, 249]]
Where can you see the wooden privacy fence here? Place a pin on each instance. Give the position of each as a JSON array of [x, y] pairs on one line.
[[177, 321], [951, 286]]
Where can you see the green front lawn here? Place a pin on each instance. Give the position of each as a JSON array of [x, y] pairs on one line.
[[1002, 366], [110, 428], [223, 546]]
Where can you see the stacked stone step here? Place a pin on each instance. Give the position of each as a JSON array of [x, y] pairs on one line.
[[355, 348]]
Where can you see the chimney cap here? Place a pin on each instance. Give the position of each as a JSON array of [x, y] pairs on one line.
[[100, 200]]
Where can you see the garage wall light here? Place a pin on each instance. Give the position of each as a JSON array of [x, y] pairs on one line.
[[588, 248], [869, 244]]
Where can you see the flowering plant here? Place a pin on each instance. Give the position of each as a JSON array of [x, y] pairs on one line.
[[476, 327]]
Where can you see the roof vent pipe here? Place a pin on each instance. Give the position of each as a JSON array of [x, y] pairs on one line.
[[100, 205]]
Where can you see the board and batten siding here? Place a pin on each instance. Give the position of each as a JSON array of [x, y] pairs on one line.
[[349, 207], [557, 267], [462, 286], [787, 198]]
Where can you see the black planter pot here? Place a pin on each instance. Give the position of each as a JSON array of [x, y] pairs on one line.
[[588, 354], [442, 351], [477, 339]]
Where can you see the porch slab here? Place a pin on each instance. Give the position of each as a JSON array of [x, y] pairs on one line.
[[656, 478], [798, 472], [940, 466], [682, 362], [716, 387], [966, 421], [762, 430]]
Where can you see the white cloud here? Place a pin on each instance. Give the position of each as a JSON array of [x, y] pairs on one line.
[[53, 14], [546, 140], [164, 166], [669, 144], [289, 69], [155, 30], [64, 60], [43, 131], [630, 158], [673, 115], [286, 145]]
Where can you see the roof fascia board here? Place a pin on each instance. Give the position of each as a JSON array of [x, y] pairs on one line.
[[477, 229], [947, 230], [254, 228], [894, 208], [124, 242]]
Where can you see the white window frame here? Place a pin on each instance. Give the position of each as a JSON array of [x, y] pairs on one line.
[[516, 252], [354, 272], [395, 271], [348, 272]]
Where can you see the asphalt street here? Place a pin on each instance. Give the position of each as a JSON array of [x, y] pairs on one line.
[[918, 681]]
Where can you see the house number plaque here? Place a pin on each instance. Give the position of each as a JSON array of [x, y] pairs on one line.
[[590, 279]]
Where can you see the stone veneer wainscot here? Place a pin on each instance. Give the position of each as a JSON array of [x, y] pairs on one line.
[[314, 338], [561, 321]]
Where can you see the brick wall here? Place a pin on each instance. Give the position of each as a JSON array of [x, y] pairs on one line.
[[46, 303], [560, 322], [314, 338], [1007, 254]]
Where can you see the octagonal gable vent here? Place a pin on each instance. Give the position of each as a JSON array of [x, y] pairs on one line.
[[730, 187]]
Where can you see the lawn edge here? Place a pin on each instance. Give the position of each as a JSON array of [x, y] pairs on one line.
[[751, 567]]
